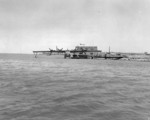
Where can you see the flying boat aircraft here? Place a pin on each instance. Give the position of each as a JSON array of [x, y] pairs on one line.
[[81, 52]]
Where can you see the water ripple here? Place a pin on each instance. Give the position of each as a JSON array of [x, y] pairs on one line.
[[57, 89]]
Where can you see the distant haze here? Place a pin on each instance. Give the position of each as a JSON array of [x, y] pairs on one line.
[[27, 25]]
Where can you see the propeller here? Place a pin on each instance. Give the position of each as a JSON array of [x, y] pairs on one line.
[[59, 50], [50, 51]]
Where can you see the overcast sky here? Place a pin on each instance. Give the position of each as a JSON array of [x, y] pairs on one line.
[[27, 25]]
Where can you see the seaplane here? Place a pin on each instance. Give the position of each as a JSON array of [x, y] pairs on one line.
[[80, 52]]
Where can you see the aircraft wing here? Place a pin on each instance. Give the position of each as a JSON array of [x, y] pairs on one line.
[[63, 51], [46, 51], [40, 51]]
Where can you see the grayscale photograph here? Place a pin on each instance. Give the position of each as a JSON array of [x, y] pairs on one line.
[[74, 59]]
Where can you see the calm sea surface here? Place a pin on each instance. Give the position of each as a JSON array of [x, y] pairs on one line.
[[53, 88]]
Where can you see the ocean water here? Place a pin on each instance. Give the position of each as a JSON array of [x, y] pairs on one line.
[[53, 88]]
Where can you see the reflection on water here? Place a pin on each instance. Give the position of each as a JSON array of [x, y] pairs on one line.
[[53, 88]]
